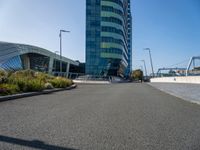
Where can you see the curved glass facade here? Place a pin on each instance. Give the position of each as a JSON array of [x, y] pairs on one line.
[[13, 64], [108, 37], [15, 57]]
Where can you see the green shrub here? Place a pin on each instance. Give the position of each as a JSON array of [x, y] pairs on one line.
[[26, 81], [19, 76], [20, 82], [48, 86], [137, 75], [30, 81], [34, 85], [3, 73], [24, 73], [28, 85], [3, 76], [43, 76], [8, 89], [60, 82]]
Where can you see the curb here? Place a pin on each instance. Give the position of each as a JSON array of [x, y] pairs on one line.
[[22, 95], [90, 82]]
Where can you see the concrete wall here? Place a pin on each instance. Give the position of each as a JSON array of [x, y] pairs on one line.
[[25, 61], [189, 79]]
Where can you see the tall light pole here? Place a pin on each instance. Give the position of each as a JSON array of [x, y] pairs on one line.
[[145, 68], [148, 49], [60, 35]]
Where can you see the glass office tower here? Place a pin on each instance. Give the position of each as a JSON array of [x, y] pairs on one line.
[[108, 37]]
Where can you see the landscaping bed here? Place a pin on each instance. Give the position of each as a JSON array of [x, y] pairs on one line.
[[26, 81]]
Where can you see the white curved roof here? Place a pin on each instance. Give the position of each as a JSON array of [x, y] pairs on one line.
[[9, 50]]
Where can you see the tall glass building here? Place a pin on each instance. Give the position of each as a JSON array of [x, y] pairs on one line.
[[108, 37]]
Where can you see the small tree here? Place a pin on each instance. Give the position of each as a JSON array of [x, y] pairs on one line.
[[137, 75]]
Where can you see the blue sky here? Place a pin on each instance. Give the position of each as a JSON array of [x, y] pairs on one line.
[[171, 28]]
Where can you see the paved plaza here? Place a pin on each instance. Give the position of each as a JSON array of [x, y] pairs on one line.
[[130, 116]]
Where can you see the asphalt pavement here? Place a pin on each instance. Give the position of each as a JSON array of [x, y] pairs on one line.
[[129, 116]]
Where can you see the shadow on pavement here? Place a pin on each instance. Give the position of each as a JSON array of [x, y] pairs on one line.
[[33, 144]]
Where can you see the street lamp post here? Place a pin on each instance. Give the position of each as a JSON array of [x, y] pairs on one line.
[[145, 68], [60, 35], [148, 49]]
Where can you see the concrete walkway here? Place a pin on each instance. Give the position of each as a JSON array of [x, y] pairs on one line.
[[186, 91]]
